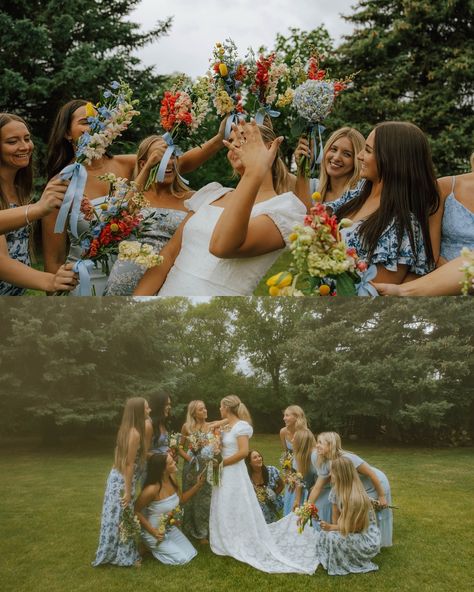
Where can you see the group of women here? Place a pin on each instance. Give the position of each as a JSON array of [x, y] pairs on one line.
[[250, 514], [221, 241]]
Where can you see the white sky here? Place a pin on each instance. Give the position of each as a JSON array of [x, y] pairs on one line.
[[199, 24]]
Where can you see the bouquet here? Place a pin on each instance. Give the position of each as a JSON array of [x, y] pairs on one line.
[[306, 513], [267, 74], [313, 100], [286, 462], [106, 121], [323, 260], [172, 518], [228, 73], [468, 270], [212, 453], [293, 479], [196, 441], [378, 507], [117, 219], [174, 439], [183, 110], [129, 525]]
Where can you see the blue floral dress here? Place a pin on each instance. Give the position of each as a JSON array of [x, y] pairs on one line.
[[111, 549], [18, 249], [160, 442], [270, 501], [341, 555], [388, 251]]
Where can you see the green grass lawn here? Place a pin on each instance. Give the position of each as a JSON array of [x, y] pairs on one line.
[[50, 504]]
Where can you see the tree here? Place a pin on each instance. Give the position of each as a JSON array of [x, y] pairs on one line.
[[56, 50], [416, 63]]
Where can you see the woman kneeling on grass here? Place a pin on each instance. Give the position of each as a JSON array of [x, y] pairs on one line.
[[158, 510]]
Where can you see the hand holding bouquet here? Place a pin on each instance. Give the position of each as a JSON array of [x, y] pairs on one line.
[[306, 513]]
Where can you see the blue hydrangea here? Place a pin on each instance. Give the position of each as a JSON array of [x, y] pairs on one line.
[[313, 100]]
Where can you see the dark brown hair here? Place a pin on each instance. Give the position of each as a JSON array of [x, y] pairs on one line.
[[24, 176], [155, 471], [404, 164]]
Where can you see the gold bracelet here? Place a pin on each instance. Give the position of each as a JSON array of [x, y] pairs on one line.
[[28, 223]]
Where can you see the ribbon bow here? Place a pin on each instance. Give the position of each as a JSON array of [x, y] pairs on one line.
[[172, 149], [83, 267], [265, 110], [76, 173], [364, 288], [233, 118]]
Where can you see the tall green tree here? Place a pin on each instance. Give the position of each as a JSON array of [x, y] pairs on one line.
[[416, 63]]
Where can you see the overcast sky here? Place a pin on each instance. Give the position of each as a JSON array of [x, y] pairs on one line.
[[199, 24]]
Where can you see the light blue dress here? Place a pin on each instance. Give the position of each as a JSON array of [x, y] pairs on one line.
[[322, 503], [309, 480], [384, 517], [341, 555], [175, 548], [110, 549], [18, 249], [457, 229], [389, 252], [162, 223]]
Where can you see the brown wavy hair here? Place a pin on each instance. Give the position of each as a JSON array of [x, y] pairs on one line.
[[24, 176]]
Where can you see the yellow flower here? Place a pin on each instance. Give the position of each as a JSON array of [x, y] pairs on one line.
[[103, 206], [324, 290], [90, 110], [293, 236], [345, 223], [280, 280], [223, 70], [274, 291], [114, 228], [316, 196]]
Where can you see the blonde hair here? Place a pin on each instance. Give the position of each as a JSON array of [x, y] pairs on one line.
[[352, 499], [301, 421], [133, 418], [303, 445], [178, 188], [357, 141], [333, 440], [237, 408], [191, 422]]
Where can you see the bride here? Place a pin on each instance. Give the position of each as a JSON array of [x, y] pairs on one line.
[[237, 525]]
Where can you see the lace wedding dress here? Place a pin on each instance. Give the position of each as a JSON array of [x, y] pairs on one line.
[[238, 528]]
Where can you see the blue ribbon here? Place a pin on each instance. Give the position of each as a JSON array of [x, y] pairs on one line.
[[364, 288], [83, 267], [172, 149], [265, 110], [76, 173], [233, 118], [317, 155]]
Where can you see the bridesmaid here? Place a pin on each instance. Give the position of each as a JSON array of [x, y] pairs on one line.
[[294, 419], [376, 484], [130, 454], [268, 485], [349, 542], [196, 513], [161, 495], [159, 423], [304, 448]]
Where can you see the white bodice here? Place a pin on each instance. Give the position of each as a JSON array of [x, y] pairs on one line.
[[229, 438]]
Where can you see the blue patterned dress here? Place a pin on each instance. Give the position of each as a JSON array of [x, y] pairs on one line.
[[160, 442], [174, 549], [270, 501], [110, 549], [341, 555], [18, 249], [197, 509], [388, 251]]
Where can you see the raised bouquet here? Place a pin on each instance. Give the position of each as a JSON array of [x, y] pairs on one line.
[[226, 79], [170, 519], [306, 513], [129, 525], [107, 120], [268, 76], [323, 263], [212, 453], [183, 109], [117, 219], [468, 270], [313, 100]]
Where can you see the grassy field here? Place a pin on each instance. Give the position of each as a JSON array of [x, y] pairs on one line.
[[50, 504]]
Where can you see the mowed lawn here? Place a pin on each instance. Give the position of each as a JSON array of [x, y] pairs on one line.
[[50, 504]]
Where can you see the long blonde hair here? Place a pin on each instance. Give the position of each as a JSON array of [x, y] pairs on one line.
[[357, 141], [303, 445], [178, 188], [191, 422], [352, 499], [301, 421], [333, 440], [237, 408], [133, 417]]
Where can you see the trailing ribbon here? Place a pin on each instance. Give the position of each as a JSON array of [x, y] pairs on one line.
[[317, 155], [76, 173], [266, 110], [83, 267], [172, 149], [364, 288], [233, 118]]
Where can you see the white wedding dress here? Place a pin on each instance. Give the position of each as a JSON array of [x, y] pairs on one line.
[[196, 272], [237, 526]]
